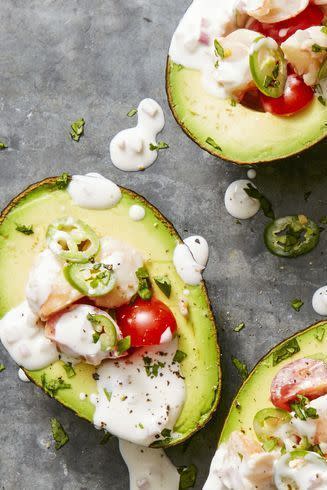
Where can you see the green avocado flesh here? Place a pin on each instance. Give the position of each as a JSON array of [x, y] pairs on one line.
[[155, 237], [254, 394], [241, 135]]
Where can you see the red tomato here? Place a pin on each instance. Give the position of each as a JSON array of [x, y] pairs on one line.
[[145, 321], [306, 377], [280, 31], [297, 95]]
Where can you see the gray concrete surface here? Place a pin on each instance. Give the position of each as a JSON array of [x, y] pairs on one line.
[[65, 59]]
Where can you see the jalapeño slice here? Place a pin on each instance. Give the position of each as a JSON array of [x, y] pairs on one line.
[[268, 66], [291, 236], [105, 331], [267, 421], [72, 240], [91, 279]]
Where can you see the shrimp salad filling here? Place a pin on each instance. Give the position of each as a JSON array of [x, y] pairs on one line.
[[290, 449], [270, 55], [89, 299]]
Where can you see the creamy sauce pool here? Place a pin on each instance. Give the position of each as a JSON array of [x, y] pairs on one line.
[[190, 259], [130, 148], [149, 469], [319, 301], [93, 191], [141, 404], [238, 203]]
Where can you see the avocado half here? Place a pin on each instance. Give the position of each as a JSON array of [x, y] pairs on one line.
[[156, 238], [254, 394], [237, 133]]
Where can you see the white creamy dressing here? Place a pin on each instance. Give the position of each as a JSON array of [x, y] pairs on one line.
[[93, 191], [251, 174], [43, 275], [136, 212], [73, 333], [23, 336], [22, 376], [319, 301], [130, 148], [238, 203], [298, 51], [270, 11], [140, 406], [190, 259], [149, 469], [307, 473]]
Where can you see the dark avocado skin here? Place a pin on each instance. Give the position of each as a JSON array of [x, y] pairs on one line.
[[246, 146], [254, 393], [39, 204]]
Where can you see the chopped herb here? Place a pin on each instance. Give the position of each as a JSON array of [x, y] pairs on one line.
[[241, 367], [152, 368], [322, 100], [161, 145], [320, 334], [107, 393], [323, 220], [270, 444], [164, 284], [179, 356], [95, 376], [188, 476], [2, 367], [307, 195], [77, 129], [132, 112], [297, 304], [105, 438], [123, 344], [287, 350], [54, 385], [144, 289], [316, 48], [59, 434], [264, 203], [95, 337], [301, 410], [62, 181], [26, 229], [3, 145], [141, 426], [179, 67], [233, 102], [210, 141], [219, 50], [239, 327], [166, 433], [70, 371]]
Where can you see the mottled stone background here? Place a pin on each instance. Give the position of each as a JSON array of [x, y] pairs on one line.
[[61, 60]]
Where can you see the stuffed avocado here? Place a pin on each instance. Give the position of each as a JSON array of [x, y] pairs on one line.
[[244, 84], [75, 275], [275, 433]]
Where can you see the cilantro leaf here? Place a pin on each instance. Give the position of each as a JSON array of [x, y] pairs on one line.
[[3, 145], [2, 367], [239, 327], [219, 50], [164, 285], [179, 356], [264, 203], [132, 112], [26, 229], [107, 393], [287, 350], [188, 476], [144, 289], [70, 371], [161, 145], [77, 129], [210, 141], [62, 181], [297, 304], [152, 368], [59, 434], [301, 410], [54, 385], [241, 367]]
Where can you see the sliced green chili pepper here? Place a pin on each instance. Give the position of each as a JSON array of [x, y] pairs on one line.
[[267, 421], [323, 71], [90, 279], [291, 236], [268, 67], [72, 240], [105, 330]]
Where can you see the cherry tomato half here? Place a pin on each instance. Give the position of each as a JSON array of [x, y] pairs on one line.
[[305, 376], [146, 321], [297, 95], [280, 31]]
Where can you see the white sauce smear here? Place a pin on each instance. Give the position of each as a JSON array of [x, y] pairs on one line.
[[23, 337], [130, 148], [140, 405], [136, 212], [22, 376], [93, 191], [319, 301], [238, 203], [149, 469]]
